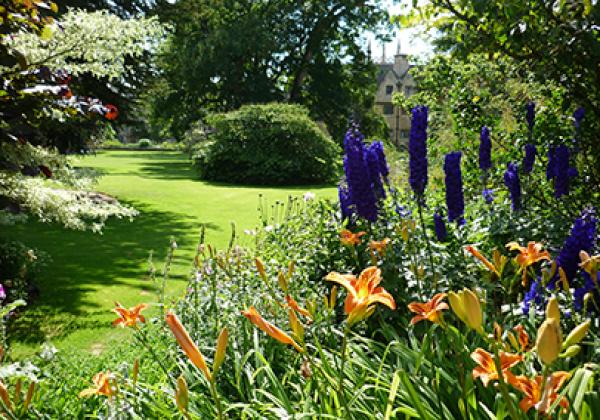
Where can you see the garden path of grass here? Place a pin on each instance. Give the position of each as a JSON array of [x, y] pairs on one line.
[[89, 271]]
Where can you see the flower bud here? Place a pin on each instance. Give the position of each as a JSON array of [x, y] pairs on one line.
[[577, 334], [4, 395], [513, 341], [29, 396], [549, 341], [296, 326], [332, 297], [260, 267], [282, 280], [182, 396], [136, 370], [552, 309], [571, 351], [467, 307], [221, 350]]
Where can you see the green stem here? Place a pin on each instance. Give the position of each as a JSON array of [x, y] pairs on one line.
[[427, 244], [215, 395], [142, 337], [341, 395], [503, 388]]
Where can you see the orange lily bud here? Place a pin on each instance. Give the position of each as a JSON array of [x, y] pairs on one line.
[[260, 267], [18, 386], [291, 268], [182, 396], [136, 371], [497, 332], [333, 297], [4, 395], [187, 345], [221, 350], [254, 317], [513, 341], [563, 279], [282, 281], [296, 326], [552, 309], [549, 341], [29, 396], [475, 252], [577, 334], [294, 305]]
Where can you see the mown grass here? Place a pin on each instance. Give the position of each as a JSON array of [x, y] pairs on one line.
[[89, 271]]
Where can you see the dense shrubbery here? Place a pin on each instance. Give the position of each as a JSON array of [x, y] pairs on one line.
[[266, 144]]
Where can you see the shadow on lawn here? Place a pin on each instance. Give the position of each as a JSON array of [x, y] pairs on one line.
[[83, 262]]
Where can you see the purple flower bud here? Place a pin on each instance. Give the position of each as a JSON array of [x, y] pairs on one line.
[[377, 147], [454, 187], [417, 150], [485, 149], [2, 292], [529, 159], [372, 158], [551, 168], [345, 201]]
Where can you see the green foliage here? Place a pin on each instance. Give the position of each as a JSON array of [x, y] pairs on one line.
[[267, 144], [19, 268], [144, 143]]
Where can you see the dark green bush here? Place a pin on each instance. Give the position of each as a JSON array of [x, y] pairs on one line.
[[267, 144], [144, 143]]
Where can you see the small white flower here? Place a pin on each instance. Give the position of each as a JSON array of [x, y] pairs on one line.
[[309, 196], [268, 228], [250, 232], [48, 351]]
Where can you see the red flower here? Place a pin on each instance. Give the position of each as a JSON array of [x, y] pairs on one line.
[[111, 112]]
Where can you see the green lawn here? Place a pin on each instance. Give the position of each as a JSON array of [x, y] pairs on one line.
[[89, 271]]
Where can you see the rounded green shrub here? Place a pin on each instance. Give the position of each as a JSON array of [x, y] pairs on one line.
[[267, 144], [144, 143]]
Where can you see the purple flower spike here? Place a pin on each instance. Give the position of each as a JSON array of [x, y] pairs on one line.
[[530, 115], [417, 150], [455, 200], [578, 117], [529, 159], [561, 171], [513, 183], [485, 149], [440, 227]]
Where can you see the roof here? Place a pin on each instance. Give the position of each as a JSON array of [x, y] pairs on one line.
[[384, 68]]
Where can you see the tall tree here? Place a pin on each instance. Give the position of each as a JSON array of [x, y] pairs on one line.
[[225, 53]]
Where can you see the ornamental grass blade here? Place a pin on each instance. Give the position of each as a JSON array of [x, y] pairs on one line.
[[577, 390], [392, 395], [414, 396]]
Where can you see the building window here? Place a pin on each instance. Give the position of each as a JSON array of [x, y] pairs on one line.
[[408, 91], [388, 109], [389, 89], [403, 134]]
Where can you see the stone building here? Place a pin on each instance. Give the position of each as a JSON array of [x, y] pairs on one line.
[[394, 76]]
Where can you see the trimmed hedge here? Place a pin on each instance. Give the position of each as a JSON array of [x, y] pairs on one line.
[[267, 144]]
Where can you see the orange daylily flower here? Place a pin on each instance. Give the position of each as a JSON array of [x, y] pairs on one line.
[[294, 305], [129, 317], [102, 386], [271, 330], [363, 293], [486, 369], [528, 256], [475, 252], [350, 239], [523, 337], [536, 396], [431, 310], [187, 344], [379, 246]]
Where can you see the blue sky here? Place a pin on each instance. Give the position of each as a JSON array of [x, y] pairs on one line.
[[412, 41]]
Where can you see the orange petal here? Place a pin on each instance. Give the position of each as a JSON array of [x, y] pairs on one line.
[[186, 343]]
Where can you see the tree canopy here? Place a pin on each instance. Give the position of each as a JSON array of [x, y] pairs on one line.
[[222, 54]]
